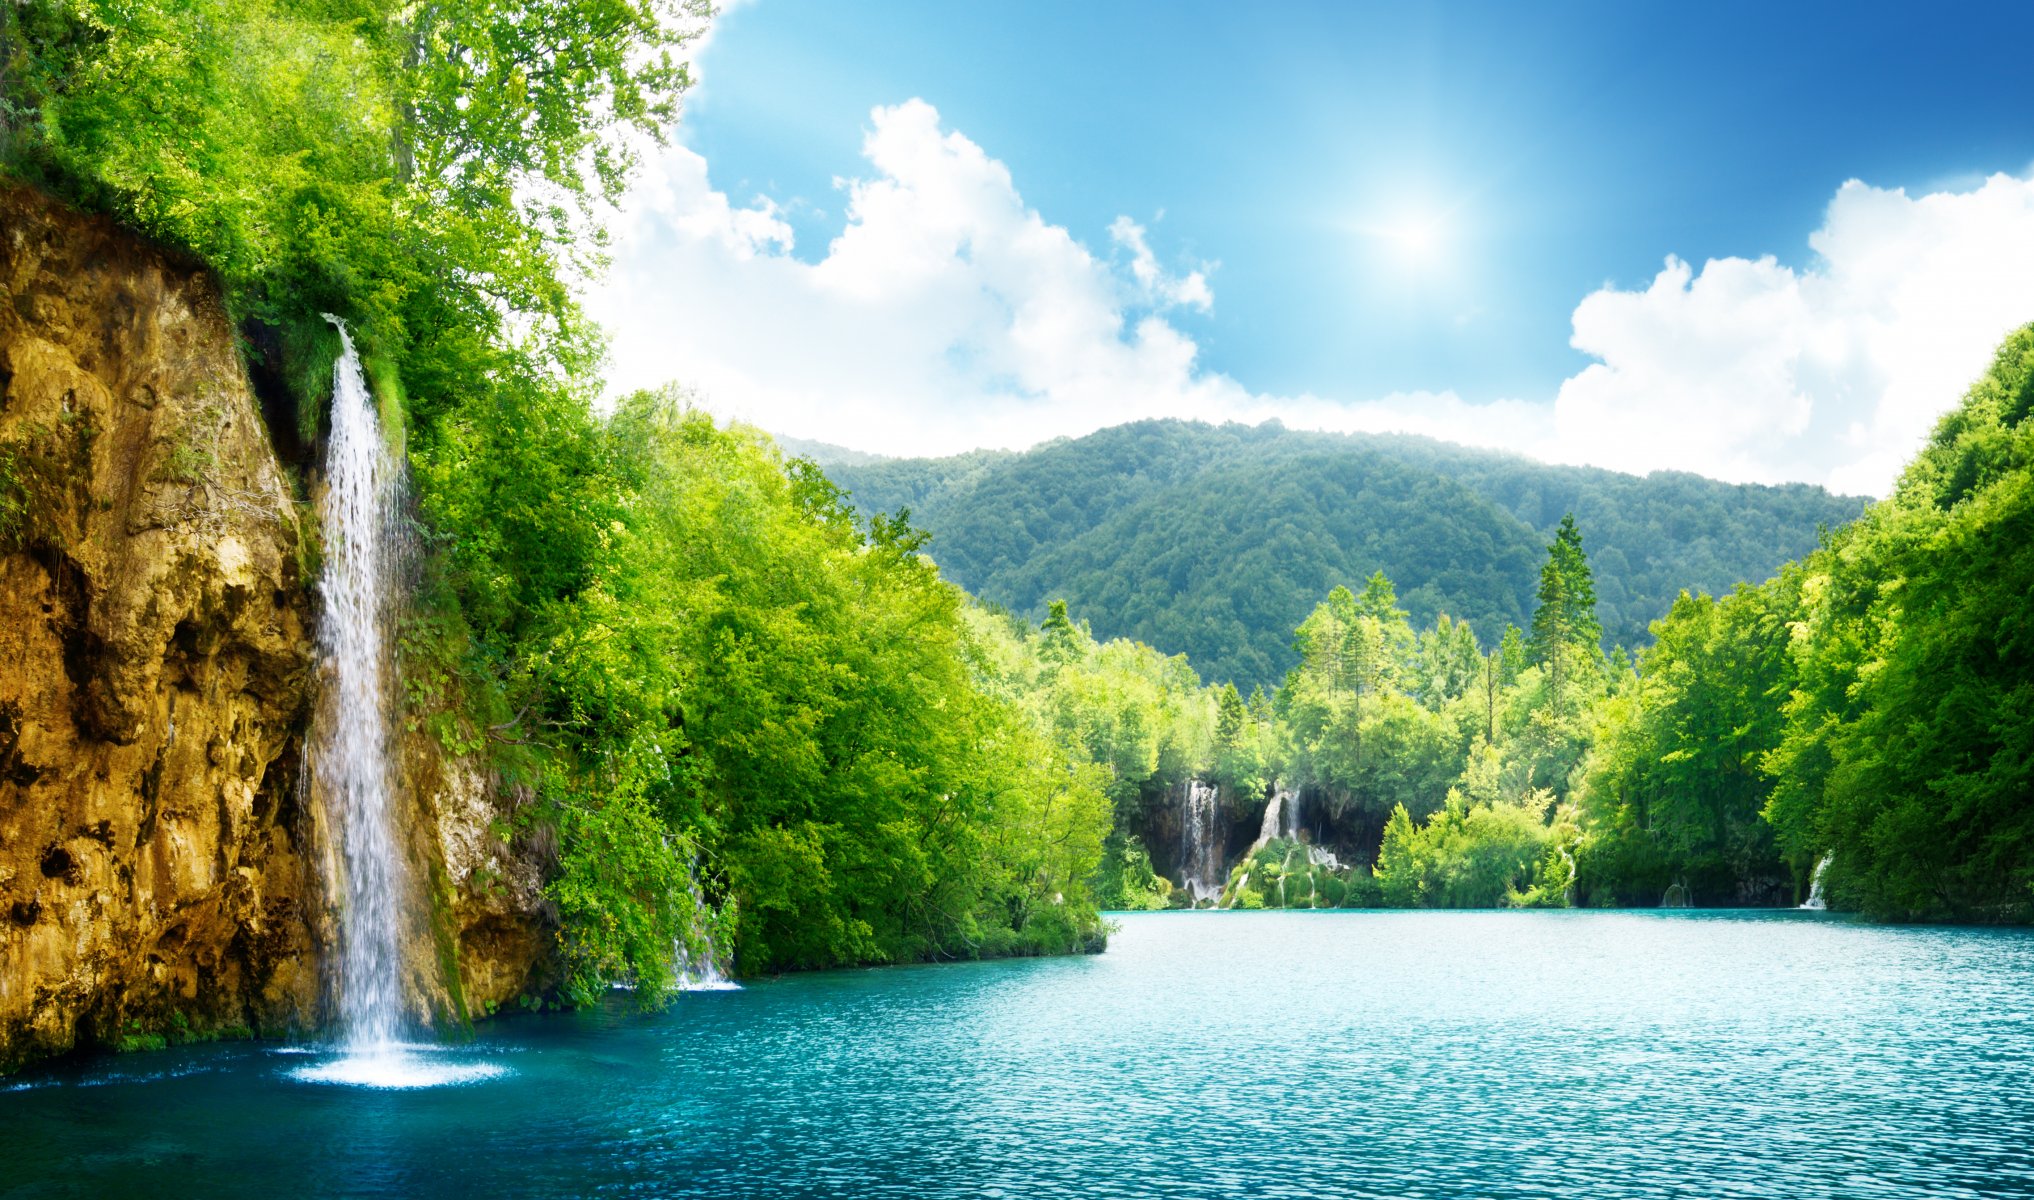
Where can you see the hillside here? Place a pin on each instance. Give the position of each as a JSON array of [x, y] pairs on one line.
[[1216, 541]]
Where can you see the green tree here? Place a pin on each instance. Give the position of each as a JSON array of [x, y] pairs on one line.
[[1566, 638]]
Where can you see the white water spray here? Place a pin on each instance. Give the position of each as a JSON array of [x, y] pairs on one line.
[[702, 971], [1815, 902]]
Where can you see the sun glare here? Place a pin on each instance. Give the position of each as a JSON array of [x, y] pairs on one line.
[[1416, 239]]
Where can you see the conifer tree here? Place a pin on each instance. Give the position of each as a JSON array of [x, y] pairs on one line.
[[1566, 633]]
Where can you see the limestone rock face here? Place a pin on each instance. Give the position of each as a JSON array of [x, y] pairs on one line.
[[164, 870], [154, 658]]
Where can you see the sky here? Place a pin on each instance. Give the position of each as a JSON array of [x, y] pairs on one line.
[[1764, 243]]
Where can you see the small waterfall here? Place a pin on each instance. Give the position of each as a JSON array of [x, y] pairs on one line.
[[355, 774], [1273, 824], [1277, 819], [1200, 859], [704, 971], [1815, 902], [1677, 896]]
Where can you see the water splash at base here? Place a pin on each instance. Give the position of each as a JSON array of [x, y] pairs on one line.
[[397, 1066]]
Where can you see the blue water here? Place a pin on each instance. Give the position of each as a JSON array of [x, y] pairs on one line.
[[1561, 1054]]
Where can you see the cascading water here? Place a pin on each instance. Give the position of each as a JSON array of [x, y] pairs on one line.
[[1200, 842], [352, 755], [1277, 819], [700, 971], [354, 773], [1290, 813], [1815, 902], [1273, 823]]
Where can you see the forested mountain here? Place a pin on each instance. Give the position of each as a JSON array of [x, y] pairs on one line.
[[1216, 541]]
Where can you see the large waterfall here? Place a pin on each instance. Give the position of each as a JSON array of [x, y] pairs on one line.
[[1201, 842], [355, 775], [352, 756]]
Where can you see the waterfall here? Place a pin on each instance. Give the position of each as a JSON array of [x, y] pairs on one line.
[[355, 775], [352, 756], [700, 970], [1291, 813], [1272, 824], [1200, 859], [1815, 902]]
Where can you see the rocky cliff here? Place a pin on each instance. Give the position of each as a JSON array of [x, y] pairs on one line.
[[164, 871]]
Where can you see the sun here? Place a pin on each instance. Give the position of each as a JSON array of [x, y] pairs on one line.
[[1416, 239]]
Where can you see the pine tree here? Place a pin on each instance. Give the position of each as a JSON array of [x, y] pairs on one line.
[[1566, 633], [1060, 639], [1230, 717], [1511, 656]]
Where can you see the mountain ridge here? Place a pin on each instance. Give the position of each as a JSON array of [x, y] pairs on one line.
[[1215, 540]]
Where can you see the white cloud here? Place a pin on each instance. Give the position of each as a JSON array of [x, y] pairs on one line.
[[947, 314], [1749, 370], [1190, 290]]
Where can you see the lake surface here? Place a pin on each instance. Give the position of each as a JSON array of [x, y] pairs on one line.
[[1568, 1054]]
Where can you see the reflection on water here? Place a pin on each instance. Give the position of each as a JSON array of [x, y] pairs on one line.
[[1260, 1054]]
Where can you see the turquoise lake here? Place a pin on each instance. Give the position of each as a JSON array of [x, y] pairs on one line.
[[1483, 1054]]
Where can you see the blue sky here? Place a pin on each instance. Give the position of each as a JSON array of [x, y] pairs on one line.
[[1395, 215]]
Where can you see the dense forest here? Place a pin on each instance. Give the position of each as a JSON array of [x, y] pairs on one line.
[[1856, 722], [1215, 541], [751, 709]]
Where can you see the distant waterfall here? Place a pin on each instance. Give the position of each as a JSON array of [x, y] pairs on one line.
[[1273, 824], [1290, 811], [1200, 858], [703, 970], [352, 755], [1815, 902]]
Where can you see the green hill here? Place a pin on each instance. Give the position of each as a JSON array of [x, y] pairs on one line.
[[1216, 541]]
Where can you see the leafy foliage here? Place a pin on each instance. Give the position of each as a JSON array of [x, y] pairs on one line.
[[1869, 704], [1676, 780], [1906, 755]]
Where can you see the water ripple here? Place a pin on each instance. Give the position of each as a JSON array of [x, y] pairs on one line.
[[1421, 1055]]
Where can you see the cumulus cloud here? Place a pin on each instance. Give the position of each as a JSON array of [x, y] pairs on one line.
[[1752, 371], [947, 314]]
